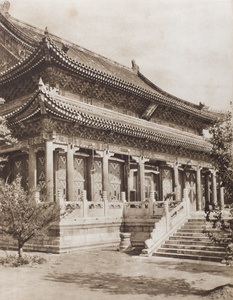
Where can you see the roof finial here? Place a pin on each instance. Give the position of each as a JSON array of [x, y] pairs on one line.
[[65, 48], [41, 85], [4, 8], [135, 67], [2, 101], [46, 30]]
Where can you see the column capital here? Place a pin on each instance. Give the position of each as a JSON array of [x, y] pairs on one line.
[[197, 168], [141, 159], [213, 172], [105, 153]]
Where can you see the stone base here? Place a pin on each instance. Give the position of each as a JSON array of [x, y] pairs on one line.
[[67, 236]]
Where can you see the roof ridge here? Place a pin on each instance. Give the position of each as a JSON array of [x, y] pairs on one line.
[[57, 38], [158, 89]]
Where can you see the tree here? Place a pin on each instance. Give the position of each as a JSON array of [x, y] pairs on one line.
[[222, 153], [5, 136], [21, 217]]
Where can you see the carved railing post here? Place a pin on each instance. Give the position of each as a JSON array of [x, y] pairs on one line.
[[151, 203], [37, 197], [187, 201], [167, 215], [105, 199], [85, 204], [60, 197], [123, 197], [222, 198]]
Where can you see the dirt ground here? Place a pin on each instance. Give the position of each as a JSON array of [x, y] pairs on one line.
[[108, 274]]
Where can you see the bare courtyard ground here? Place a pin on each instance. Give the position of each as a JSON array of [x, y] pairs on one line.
[[109, 274]]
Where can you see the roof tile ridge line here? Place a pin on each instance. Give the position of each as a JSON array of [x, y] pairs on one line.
[[180, 101], [22, 62], [139, 131], [17, 31], [161, 127], [12, 54], [142, 90], [22, 107], [60, 39], [154, 86], [17, 38]]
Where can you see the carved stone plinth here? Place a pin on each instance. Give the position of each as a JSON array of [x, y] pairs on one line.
[[125, 243]]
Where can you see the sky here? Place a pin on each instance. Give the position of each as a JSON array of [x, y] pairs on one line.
[[183, 46]]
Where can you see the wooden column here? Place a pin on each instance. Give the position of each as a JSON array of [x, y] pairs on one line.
[[70, 172], [222, 198], [49, 170], [105, 173], [199, 189], [90, 178], [214, 187], [207, 188], [141, 175], [176, 181], [32, 169]]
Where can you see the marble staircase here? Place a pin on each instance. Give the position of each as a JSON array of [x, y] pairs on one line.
[[189, 242]]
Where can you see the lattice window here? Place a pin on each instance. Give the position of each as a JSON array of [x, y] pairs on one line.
[[41, 177], [190, 183], [115, 179], [97, 180], [61, 175], [20, 168], [79, 177], [167, 181]]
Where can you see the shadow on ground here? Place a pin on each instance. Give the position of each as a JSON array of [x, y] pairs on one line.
[[195, 267], [115, 284]]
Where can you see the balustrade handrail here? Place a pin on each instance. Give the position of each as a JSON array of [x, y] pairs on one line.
[[177, 208], [162, 229]]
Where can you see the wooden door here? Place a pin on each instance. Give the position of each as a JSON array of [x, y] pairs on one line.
[[79, 177], [115, 180], [60, 178], [190, 184]]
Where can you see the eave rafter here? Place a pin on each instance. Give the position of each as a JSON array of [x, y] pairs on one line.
[[50, 53], [42, 102], [18, 35]]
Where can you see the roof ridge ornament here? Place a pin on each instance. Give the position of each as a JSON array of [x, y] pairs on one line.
[[4, 8], [42, 86], [2, 101], [135, 67], [65, 48], [46, 32]]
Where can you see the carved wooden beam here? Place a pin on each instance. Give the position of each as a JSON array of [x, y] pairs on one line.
[[149, 111]]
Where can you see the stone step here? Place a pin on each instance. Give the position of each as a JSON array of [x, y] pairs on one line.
[[191, 252], [202, 230], [189, 242], [189, 234], [188, 256], [201, 226], [194, 247]]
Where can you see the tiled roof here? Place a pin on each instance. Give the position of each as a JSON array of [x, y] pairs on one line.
[[97, 67], [84, 114]]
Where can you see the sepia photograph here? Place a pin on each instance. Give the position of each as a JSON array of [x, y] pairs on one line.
[[116, 149]]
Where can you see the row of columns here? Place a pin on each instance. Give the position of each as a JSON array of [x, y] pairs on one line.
[[49, 170]]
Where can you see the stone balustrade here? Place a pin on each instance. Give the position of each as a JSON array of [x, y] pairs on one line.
[[172, 219]]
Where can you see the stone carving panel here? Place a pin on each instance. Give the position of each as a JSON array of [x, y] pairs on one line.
[[41, 177], [115, 178], [61, 175], [79, 177]]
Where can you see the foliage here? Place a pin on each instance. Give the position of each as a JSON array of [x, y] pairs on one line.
[[14, 261], [221, 154], [220, 232], [5, 136], [21, 217]]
